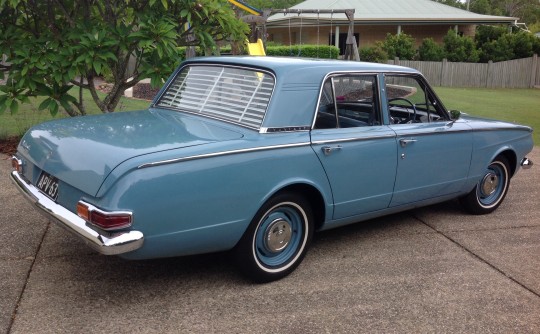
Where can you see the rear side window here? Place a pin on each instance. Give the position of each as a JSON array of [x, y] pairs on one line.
[[231, 94], [348, 101]]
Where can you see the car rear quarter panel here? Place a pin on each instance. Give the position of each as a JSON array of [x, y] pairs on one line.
[[205, 204]]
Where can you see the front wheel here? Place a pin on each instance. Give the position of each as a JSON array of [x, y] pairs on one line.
[[277, 238], [490, 190]]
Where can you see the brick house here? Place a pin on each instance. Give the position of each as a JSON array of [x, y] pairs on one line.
[[373, 19]]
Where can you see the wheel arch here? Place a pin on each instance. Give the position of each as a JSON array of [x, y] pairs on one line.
[[313, 196], [511, 157]]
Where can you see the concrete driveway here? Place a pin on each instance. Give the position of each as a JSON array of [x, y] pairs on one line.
[[434, 269]]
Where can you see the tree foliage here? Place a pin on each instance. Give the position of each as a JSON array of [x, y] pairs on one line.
[[56, 48], [498, 44], [528, 11], [275, 4]]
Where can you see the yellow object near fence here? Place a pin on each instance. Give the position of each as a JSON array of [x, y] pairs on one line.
[[256, 49]]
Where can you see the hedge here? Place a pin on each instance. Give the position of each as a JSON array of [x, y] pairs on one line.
[[309, 51]]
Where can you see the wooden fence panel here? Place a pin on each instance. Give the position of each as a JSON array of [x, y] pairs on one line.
[[464, 75], [511, 74], [518, 73]]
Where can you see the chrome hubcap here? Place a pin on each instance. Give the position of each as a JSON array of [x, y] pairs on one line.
[[490, 184], [277, 235]]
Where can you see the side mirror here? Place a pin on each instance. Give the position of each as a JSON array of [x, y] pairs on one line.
[[455, 114]]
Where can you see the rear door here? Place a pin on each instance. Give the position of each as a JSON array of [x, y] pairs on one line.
[[356, 150]]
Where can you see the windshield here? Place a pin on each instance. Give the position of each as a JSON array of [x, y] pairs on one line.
[[232, 94]]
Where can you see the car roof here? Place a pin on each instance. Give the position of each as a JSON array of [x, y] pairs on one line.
[[282, 65], [298, 82]]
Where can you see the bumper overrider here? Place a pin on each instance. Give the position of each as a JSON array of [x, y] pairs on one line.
[[526, 163], [110, 244]]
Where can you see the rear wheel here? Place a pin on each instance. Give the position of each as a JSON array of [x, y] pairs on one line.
[[277, 238], [490, 190]]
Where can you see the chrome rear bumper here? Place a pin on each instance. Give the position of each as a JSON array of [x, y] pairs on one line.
[[113, 244], [526, 163]]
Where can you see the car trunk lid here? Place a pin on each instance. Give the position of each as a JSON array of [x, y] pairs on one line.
[[82, 151]]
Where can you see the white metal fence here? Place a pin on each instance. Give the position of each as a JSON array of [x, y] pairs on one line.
[[518, 73]]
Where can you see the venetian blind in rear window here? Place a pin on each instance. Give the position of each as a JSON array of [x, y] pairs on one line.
[[231, 94]]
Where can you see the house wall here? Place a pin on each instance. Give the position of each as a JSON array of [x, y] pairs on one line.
[[369, 34]]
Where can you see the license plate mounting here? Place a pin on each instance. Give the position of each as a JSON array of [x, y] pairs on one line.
[[48, 184]]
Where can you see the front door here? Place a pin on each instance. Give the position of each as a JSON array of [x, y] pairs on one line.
[[433, 152]]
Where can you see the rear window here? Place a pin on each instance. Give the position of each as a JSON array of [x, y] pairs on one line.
[[232, 94]]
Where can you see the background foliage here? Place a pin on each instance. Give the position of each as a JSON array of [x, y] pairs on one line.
[[52, 46]]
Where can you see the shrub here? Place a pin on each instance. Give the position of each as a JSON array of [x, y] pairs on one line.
[[506, 46], [374, 54], [459, 48], [401, 45], [496, 50], [486, 34], [430, 51]]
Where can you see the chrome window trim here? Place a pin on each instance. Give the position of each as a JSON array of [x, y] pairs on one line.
[[222, 153], [173, 79]]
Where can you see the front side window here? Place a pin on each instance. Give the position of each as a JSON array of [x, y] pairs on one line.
[[410, 101], [348, 101], [231, 94]]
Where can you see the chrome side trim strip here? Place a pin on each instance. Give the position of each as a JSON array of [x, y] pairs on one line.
[[113, 244], [217, 154], [344, 140], [285, 129], [517, 127]]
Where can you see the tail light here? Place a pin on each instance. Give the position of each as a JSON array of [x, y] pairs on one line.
[[106, 220], [17, 164]]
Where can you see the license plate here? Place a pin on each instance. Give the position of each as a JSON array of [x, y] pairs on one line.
[[48, 185]]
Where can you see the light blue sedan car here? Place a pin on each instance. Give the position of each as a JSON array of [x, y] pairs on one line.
[[254, 154]]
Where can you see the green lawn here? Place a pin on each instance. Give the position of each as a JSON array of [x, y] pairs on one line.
[[29, 115], [513, 105]]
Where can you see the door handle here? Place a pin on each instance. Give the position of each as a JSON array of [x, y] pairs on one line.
[[404, 142], [328, 149]]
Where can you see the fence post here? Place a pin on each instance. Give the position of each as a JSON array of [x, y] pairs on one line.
[[489, 75], [396, 60], [534, 71], [443, 72]]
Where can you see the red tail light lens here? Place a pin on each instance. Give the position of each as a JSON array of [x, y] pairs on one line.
[[106, 220], [17, 164]]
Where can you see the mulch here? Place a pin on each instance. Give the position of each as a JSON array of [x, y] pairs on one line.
[[9, 146]]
